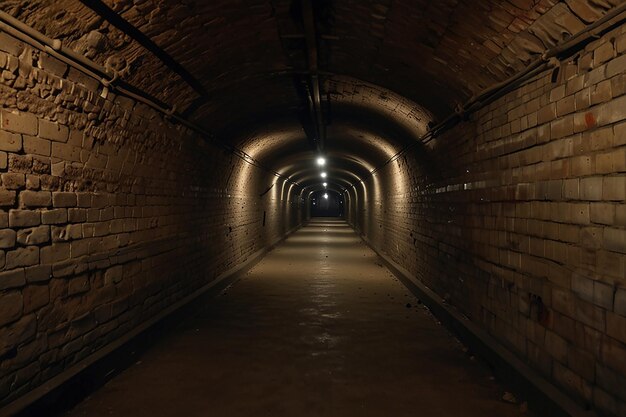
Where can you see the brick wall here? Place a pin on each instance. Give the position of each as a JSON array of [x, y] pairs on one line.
[[108, 214], [519, 220]]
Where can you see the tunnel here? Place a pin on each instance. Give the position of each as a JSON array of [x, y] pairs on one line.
[[313, 208]]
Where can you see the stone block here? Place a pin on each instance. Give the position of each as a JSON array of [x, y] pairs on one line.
[[614, 188], [12, 279], [7, 198], [619, 305], [56, 216], [603, 294], [57, 252], [34, 236], [18, 122], [13, 180], [35, 297], [614, 239], [17, 333], [51, 64], [602, 213], [616, 326], [10, 44], [37, 146], [562, 127], [10, 142], [35, 198], [64, 199], [11, 307], [27, 256], [24, 218], [37, 273], [7, 238], [591, 188], [616, 66], [53, 131]]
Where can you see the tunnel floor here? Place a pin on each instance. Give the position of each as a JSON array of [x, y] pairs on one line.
[[319, 327]]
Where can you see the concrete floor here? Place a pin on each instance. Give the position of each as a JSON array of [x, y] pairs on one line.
[[318, 328]]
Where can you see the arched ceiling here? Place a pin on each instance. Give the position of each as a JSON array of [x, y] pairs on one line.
[[385, 68]]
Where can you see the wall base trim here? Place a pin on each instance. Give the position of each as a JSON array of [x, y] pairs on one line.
[[543, 397], [68, 388]]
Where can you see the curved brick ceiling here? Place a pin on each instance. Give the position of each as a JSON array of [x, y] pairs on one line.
[[381, 63]]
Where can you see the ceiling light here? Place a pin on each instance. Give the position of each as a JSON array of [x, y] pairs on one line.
[[323, 175], [321, 161], [326, 196], [325, 184]]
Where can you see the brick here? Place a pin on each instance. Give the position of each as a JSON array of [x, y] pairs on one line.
[[603, 294], [601, 93], [34, 236], [56, 216], [605, 402], [614, 239], [38, 273], [556, 346], [35, 297], [583, 165], [66, 152], [620, 134], [64, 199], [620, 215], [546, 113], [56, 252], [616, 326], [557, 93], [566, 105], [582, 286], [51, 64], [77, 215], [611, 112], [10, 44], [11, 306], [17, 333], [602, 213], [10, 142], [7, 197], [579, 213], [614, 188], [590, 314], [19, 122], [22, 257], [620, 301], [7, 238], [591, 188], [616, 66], [562, 127], [610, 380], [12, 279], [24, 218], [13, 180], [36, 145], [35, 198], [53, 131], [582, 362], [571, 189]]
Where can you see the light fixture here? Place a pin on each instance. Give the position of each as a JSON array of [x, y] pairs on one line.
[[323, 175], [326, 196], [321, 161], [325, 184]]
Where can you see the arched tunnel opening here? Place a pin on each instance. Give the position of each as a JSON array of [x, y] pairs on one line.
[[312, 207], [326, 203]]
